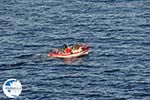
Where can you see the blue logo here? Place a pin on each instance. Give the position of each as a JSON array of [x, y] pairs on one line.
[[12, 88]]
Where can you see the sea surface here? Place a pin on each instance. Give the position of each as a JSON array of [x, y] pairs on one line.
[[117, 31]]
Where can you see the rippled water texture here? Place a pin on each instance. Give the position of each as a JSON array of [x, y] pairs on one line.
[[117, 67]]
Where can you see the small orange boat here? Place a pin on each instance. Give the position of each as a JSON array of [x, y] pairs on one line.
[[80, 50]]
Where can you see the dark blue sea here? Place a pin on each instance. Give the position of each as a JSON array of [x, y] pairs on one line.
[[117, 31]]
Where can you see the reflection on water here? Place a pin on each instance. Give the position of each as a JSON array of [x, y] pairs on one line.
[[72, 60]]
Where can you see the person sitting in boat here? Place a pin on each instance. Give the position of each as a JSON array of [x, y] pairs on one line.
[[76, 48], [67, 49]]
